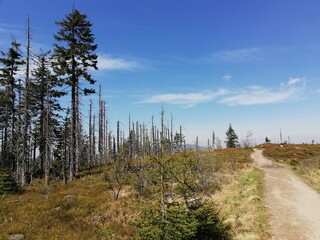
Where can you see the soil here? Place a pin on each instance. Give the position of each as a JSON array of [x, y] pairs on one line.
[[293, 206]]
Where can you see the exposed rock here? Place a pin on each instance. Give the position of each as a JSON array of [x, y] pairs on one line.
[[56, 209], [69, 197], [16, 236]]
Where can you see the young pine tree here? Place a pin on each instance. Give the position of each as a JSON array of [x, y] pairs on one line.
[[232, 138]]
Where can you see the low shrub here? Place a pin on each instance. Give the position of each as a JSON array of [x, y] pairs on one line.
[[8, 184]]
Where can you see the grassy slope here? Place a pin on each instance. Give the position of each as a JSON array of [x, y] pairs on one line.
[[85, 209], [240, 203], [303, 158]]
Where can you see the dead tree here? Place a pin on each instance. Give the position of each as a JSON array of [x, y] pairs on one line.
[[100, 140], [26, 122], [90, 135]]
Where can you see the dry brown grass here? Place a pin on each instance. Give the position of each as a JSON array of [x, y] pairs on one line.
[[82, 210], [303, 158], [85, 209]]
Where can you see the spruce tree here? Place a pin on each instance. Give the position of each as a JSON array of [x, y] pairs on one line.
[[62, 152], [46, 108], [232, 138], [11, 62], [73, 58]]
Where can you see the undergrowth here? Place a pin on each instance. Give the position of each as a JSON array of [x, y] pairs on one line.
[[86, 209], [241, 205]]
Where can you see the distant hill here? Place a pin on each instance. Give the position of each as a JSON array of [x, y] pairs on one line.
[[193, 147]]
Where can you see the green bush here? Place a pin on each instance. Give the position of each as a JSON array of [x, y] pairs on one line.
[[177, 224], [200, 221], [209, 226], [8, 184]]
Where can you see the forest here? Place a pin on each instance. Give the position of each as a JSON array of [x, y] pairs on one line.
[[41, 138], [43, 142]]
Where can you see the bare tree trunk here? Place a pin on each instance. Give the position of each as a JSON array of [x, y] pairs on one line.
[[90, 134], [78, 130], [171, 134], [47, 141], [114, 147], [109, 146], [213, 140], [25, 158], [137, 140], [100, 141], [106, 134], [197, 145], [153, 137], [118, 136], [94, 139], [73, 129], [181, 139], [12, 150], [105, 131], [130, 139], [163, 209], [66, 150]]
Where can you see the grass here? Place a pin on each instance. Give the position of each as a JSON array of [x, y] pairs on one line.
[[85, 209], [304, 159], [81, 210], [241, 205]]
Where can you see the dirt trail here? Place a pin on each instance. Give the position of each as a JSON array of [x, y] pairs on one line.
[[293, 206]]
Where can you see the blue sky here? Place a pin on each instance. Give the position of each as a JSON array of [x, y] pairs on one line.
[[254, 64]]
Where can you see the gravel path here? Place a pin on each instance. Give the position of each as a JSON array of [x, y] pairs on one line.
[[293, 206]]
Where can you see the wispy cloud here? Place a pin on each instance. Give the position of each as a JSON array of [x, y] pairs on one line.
[[185, 100], [240, 55], [9, 33], [107, 62], [292, 82], [14, 29], [227, 77], [255, 95], [252, 95]]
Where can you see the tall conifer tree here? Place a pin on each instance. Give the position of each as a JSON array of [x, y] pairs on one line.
[[11, 62], [73, 57]]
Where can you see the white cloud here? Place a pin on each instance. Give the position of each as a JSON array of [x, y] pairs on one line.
[[185, 99], [240, 55], [256, 95], [293, 81], [106, 62], [252, 95], [227, 77]]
